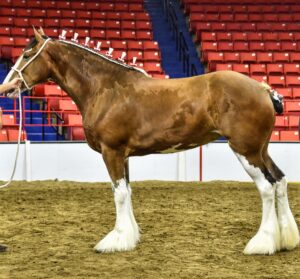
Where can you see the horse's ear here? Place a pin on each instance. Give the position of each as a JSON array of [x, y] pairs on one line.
[[41, 31], [37, 35]]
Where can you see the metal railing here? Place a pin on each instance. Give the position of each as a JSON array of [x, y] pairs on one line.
[[181, 45]]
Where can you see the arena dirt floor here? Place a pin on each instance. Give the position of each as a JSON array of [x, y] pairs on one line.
[[189, 230]]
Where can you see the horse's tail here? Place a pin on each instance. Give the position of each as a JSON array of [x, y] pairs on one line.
[[276, 98]]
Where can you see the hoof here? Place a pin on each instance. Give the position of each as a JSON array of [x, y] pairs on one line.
[[117, 241], [263, 243], [289, 234]]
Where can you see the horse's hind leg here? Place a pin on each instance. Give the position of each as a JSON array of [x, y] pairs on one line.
[[289, 233], [125, 235], [267, 239]]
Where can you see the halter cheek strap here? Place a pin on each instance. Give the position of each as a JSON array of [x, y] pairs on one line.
[[19, 71]]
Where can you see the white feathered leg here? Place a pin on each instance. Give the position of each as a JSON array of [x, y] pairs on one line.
[[125, 235], [288, 227], [267, 239]]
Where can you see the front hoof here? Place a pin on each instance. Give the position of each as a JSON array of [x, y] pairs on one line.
[[262, 243], [116, 241]]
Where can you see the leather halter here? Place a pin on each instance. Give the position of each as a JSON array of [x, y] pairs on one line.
[[19, 71]]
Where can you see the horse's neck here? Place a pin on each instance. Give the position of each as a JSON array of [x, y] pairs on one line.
[[81, 74]]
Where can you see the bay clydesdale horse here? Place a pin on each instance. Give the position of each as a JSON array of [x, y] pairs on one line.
[[127, 113]]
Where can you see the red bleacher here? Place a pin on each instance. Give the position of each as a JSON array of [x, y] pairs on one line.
[[255, 39], [9, 130], [108, 22], [123, 25]]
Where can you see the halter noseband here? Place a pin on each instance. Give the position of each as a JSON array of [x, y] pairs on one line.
[[19, 71]]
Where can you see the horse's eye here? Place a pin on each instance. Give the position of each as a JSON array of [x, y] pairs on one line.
[[26, 56]]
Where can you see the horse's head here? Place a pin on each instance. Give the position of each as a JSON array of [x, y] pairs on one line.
[[33, 66]]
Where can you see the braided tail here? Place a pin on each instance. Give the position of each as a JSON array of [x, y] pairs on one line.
[[276, 98]]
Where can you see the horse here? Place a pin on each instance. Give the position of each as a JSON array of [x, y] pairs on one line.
[[127, 113]]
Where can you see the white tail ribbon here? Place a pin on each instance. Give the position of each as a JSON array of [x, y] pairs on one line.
[[63, 34], [98, 47], [109, 52], [122, 57], [134, 61], [87, 40], [74, 39]]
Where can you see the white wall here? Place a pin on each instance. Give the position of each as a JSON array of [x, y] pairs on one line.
[[77, 162]]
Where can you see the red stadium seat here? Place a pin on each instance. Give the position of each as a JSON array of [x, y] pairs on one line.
[[275, 136], [150, 45], [136, 45], [291, 69], [5, 31], [66, 14], [135, 53], [224, 67], [128, 25], [21, 42], [241, 68], [239, 36], [8, 120], [23, 13], [289, 135], [258, 69], [113, 34], [13, 135], [272, 46], [52, 90], [208, 36], [232, 57], [264, 57], [63, 5], [77, 133], [67, 105], [78, 5], [275, 69], [241, 46], [281, 57], [295, 57], [293, 81], [287, 93], [152, 67], [224, 46], [276, 81], [40, 13], [113, 24], [152, 56], [296, 93], [281, 122], [48, 4], [292, 106], [143, 35], [248, 57], [3, 135], [223, 36], [19, 32], [21, 22], [293, 121], [84, 14], [128, 35], [119, 45], [288, 46]]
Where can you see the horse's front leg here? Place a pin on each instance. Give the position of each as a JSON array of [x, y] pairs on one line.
[[125, 235]]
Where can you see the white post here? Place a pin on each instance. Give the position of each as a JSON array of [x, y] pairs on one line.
[[181, 166], [28, 160]]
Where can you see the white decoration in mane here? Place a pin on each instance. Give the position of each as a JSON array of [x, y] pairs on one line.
[[105, 57]]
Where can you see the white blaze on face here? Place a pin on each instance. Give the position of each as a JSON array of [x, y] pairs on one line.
[[11, 72]]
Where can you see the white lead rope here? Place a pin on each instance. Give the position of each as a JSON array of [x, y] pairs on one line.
[[19, 140]]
